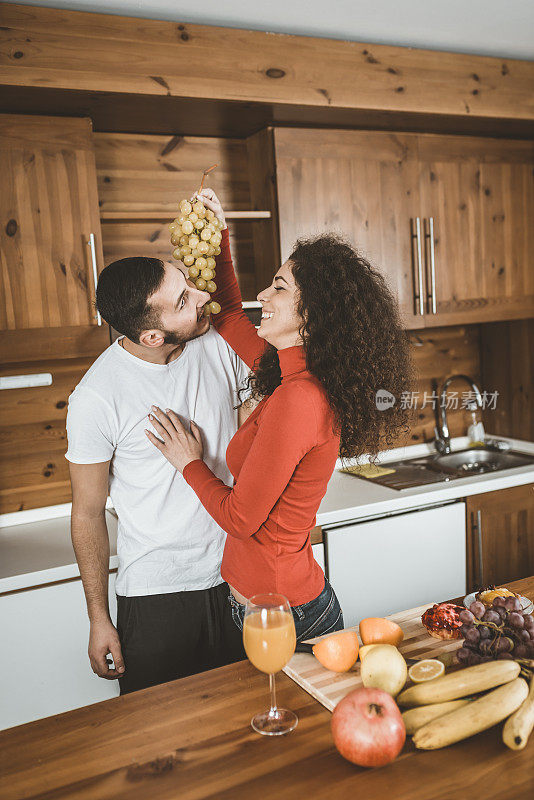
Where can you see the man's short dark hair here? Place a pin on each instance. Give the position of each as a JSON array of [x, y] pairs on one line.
[[124, 287]]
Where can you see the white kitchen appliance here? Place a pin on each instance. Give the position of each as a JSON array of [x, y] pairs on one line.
[[398, 561]]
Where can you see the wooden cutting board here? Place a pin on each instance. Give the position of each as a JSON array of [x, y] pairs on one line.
[[330, 687]]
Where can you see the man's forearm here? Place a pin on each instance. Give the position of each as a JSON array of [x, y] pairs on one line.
[[91, 545]]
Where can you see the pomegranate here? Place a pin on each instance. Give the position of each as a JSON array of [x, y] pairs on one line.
[[368, 728]]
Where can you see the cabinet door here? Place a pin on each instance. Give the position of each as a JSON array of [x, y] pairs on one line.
[[44, 666], [48, 210], [358, 183], [500, 541], [480, 195]]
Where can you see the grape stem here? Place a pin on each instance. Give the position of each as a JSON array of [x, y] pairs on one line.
[[206, 172], [502, 629], [488, 624], [495, 627]]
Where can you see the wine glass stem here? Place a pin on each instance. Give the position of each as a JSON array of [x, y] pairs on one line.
[[273, 711]]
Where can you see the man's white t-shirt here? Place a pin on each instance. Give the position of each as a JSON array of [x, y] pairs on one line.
[[167, 541]]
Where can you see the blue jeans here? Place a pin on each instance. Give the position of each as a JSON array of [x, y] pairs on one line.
[[319, 616]]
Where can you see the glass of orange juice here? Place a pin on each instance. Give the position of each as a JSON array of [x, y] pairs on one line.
[[269, 638]]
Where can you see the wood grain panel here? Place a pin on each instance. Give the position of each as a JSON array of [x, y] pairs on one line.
[[48, 209], [361, 184], [144, 173], [97, 52], [507, 366], [50, 343], [480, 193], [506, 533], [437, 354], [262, 176], [487, 150], [21, 498], [371, 186], [33, 440], [21, 471], [44, 132], [153, 173], [167, 115], [133, 238], [23, 406]]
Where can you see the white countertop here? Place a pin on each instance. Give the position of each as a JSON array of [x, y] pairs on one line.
[[351, 498], [38, 552], [35, 545]]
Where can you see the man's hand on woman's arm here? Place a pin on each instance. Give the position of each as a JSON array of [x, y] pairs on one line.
[[91, 544]]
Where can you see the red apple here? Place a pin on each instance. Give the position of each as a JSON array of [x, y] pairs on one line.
[[368, 728]]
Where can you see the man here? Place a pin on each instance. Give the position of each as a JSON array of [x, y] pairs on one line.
[[174, 618]]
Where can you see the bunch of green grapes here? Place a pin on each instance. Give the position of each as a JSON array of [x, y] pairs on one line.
[[196, 236]]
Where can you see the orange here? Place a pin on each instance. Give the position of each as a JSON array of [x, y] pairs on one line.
[[337, 651], [376, 630], [426, 670]]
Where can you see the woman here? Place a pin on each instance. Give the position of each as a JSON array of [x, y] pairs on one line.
[[329, 339]]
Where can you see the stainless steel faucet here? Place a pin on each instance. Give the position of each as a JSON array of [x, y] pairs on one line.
[[442, 441]]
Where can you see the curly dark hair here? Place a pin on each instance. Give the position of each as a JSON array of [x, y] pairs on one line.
[[354, 341]]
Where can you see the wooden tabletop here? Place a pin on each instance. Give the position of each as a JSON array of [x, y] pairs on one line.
[[191, 740]]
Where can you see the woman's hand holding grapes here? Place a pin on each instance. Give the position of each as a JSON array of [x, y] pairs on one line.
[[210, 200]]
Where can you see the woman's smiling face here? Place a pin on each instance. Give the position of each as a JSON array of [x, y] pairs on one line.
[[280, 321]]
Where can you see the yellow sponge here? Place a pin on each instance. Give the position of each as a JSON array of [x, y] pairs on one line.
[[367, 471]]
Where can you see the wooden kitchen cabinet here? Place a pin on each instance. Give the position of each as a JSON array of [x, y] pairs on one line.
[[141, 179], [479, 196], [48, 211], [500, 536], [447, 219], [361, 184]]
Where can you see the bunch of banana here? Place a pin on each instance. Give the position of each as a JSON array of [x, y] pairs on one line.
[[446, 709]]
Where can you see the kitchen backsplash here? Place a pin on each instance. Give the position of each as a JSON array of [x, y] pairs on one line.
[[33, 470], [439, 353]]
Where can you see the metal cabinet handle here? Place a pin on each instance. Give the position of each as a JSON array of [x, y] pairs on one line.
[[478, 526], [429, 236], [91, 244], [419, 300]]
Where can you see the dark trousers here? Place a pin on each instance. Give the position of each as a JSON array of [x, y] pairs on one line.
[[169, 636]]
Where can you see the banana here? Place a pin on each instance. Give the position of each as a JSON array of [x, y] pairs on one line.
[[518, 727], [472, 718], [415, 718], [461, 683]]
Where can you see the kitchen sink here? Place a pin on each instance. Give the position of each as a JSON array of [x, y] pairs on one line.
[[478, 460], [438, 468]]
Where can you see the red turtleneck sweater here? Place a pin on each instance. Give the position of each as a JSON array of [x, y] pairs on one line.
[[281, 458]]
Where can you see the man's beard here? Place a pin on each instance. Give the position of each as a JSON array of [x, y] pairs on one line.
[[177, 338], [173, 338]]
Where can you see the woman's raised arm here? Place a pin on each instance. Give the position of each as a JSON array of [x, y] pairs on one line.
[[232, 322]]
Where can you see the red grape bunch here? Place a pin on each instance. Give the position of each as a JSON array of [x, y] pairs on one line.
[[501, 631]]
